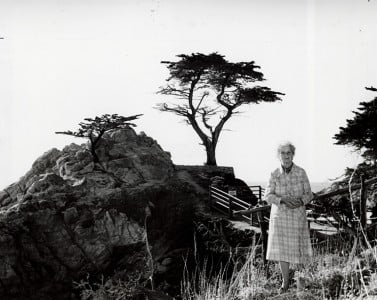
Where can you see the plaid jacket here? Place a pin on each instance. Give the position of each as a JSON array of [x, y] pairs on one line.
[[288, 238]]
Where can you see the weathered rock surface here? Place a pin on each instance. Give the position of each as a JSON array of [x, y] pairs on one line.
[[67, 218]]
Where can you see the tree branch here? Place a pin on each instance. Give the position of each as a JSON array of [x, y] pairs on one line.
[[170, 90], [192, 116], [220, 95], [205, 94], [221, 124], [178, 109], [373, 89], [344, 190], [205, 115], [191, 94]]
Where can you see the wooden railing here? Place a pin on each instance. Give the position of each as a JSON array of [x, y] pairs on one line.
[[237, 208], [257, 191], [228, 203]]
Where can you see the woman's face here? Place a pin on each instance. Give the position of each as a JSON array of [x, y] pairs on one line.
[[286, 156]]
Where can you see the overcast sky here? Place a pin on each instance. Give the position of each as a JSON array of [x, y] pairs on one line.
[[62, 61]]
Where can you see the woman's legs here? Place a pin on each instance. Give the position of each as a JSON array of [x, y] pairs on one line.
[[284, 267]]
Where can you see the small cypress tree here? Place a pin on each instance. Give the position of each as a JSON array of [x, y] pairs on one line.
[[94, 129]]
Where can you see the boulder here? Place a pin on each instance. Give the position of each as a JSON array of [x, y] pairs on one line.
[[68, 219]]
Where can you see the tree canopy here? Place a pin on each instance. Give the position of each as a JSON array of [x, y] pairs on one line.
[[361, 131], [94, 129], [209, 90]]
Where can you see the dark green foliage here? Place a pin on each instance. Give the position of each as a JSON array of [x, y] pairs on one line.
[[94, 129], [209, 90], [361, 131]]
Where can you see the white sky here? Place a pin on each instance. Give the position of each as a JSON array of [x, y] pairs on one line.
[[62, 61]]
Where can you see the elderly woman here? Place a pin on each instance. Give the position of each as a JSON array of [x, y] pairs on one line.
[[288, 192]]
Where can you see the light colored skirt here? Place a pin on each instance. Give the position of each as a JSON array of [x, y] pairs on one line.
[[288, 235]]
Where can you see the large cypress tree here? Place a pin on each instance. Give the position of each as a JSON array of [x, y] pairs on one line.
[[209, 90]]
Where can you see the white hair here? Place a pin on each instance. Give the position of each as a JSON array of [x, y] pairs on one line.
[[285, 144]]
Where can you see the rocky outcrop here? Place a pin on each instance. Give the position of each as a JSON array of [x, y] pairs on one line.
[[67, 219]]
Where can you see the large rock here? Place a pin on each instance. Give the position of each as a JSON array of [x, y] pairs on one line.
[[130, 216], [68, 217]]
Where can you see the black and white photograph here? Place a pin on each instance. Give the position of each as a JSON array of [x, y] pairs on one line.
[[188, 150]]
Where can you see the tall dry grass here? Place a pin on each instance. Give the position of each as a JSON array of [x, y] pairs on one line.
[[247, 281], [329, 275]]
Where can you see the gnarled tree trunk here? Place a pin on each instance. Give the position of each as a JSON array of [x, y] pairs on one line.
[[211, 154]]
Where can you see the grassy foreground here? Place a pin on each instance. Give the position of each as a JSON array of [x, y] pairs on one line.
[[326, 276], [330, 274]]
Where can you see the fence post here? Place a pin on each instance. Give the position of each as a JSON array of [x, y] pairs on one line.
[[231, 193], [263, 230], [260, 193]]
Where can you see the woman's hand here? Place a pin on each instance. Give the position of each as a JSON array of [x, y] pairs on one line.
[[291, 202]]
